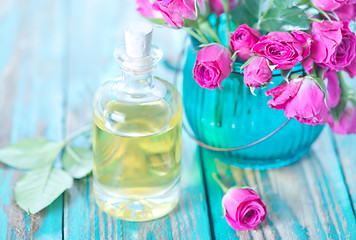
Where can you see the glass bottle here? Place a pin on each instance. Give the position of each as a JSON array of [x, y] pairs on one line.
[[137, 134]]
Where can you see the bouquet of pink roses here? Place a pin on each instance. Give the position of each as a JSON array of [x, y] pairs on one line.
[[274, 35]]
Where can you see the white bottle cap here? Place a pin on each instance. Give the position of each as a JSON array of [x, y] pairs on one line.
[[138, 38]]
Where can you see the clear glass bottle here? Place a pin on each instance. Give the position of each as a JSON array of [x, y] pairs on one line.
[[137, 135]]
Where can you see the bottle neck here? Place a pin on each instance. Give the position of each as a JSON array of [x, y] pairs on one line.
[[137, 72]]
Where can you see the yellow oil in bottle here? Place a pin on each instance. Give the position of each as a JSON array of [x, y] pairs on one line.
[[137, 155]]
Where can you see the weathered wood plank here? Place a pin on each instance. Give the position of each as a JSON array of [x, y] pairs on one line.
[[31, 34], [92, 41], [346, 149], [308, 199]]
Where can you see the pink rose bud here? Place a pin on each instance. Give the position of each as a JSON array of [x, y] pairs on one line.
[[145, 9], [282, 49], [305, 40], [302, 99], [347, 123], [243, 208], [346, 12], [333, 88], [173, 11], [333, 44], [213, 65], [243, 39], [258, 73], [329, 5], [217, 6]]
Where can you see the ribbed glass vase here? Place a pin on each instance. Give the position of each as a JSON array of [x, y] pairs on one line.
[[234, 117]]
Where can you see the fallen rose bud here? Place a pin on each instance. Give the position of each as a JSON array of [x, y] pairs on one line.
[[243, 207]]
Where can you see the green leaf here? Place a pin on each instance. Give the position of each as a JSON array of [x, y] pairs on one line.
[[188, 23], [77, 161], [347, 94], [225, 4], [286, 3], [290, 19], [285, 74], [30, 153], [40, 187], [249, 11], [159, 21], [248, 62], [322, 86]]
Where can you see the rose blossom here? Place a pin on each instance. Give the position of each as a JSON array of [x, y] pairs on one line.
[[329, 5], [145, 9], [282, 49], [305, 40], [333, 44], [351, 69], [217, 6], [213, 65], [301, 98], [347, 123], [333, 90], [243, 208], [258, 73], [243, 39], [173, 11], [346, 12]]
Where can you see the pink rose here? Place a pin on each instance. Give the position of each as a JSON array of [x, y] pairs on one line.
[[217, 6], [213, 65], [282, 49], [243, 39], [333, 88], [145, 9], [329, 5], [347, 123], [302, 99], [351, 69], [173, 11], [305, 40], [346, 12], [258, 73], [243, 208], [333, 44]]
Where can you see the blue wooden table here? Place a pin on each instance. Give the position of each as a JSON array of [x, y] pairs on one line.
[[54, 55]]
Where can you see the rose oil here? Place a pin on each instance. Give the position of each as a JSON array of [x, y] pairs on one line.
[[137, 136]]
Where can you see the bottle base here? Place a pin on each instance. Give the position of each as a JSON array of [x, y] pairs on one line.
[[137, 209]]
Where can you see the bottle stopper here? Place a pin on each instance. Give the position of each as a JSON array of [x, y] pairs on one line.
[[138, 38]]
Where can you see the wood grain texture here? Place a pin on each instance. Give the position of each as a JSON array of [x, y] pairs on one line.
[[31, 71], [94, 33], [345, 146], [308, 199]]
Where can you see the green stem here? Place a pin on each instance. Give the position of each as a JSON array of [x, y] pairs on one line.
[[218, 181], [209, 31], [77, 133], [203, 35], [228, 21], [196, 36], [350, 93], [76, 158], [263, 16], [321, 11]]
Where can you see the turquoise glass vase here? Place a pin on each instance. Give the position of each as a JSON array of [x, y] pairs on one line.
[[234, 117]]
